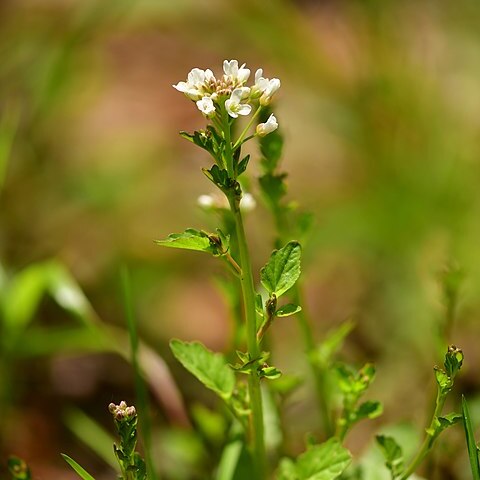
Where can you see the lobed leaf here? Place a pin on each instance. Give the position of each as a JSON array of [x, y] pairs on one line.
[[208, 367], [282, 270], [393, 454]]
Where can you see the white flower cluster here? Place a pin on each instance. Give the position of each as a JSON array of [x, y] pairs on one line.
[[230, 91]]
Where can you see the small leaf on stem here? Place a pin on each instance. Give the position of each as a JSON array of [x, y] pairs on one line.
[[282, 270], [210, 368]]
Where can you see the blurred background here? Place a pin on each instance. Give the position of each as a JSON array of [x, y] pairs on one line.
[[380, 108]]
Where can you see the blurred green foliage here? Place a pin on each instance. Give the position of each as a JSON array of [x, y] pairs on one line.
[[380, 105]]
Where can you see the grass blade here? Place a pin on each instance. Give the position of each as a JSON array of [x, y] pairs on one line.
[[471, 444], [140, 387], [80, 471]]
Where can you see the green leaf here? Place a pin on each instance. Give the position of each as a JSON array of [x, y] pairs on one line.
[[393, 454], [453, 361], [288, 310], [18, 469], [271, 147], [369, 409], [242, 166], [470, 438], [443, 380], [273, 187], [320, 462], [444, 422], [82, 473], [270, 373], [210, 368], [282, 270], [190, 239]]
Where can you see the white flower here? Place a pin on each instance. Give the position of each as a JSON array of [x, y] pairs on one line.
[[268, 127], [206, 201], [238, 75], [206, 106], [194, 87], [233, 105], [260, 86], [247, 203], [272, 87]]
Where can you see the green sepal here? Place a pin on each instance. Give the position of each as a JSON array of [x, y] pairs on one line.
[[208, 367], [288, 310], [282, 269], [392, 453]]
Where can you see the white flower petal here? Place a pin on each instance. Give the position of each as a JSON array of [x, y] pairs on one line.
[[230, 68], [206, 106], [244, 109], [268, 127]]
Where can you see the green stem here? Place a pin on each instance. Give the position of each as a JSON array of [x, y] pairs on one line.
[[228, 155], [247, 128], [429, 439], [257, 441], [318, 373]]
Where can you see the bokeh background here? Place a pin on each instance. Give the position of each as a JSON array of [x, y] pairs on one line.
[[380, 108]]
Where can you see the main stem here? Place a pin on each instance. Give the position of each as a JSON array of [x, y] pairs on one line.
[[429, 439], [257, 442]]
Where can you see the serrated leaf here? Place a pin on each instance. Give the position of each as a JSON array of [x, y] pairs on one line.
[[470, 438], [208, 367], [288, 310], [282, 270], [443, 380], [81, 472], [393, 454], [446, 421], [323, 462]]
